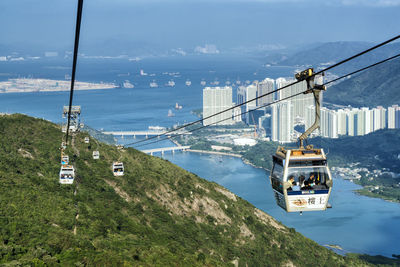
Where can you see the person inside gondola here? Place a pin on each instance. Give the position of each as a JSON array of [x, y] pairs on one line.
[[302, 178], [292, 183], [311, 180], [307, 186]]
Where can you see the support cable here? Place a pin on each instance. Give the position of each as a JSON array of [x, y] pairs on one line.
[[266, 105], [76, 46], [269, 93]]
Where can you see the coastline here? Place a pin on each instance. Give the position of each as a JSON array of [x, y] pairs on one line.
[[22, 85]]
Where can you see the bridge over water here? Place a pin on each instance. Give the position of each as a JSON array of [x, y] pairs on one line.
[[145, 133], [165, 149]]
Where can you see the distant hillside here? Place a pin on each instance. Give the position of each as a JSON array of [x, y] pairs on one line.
[[327, 54], [379, 85], [156, 215], [380, 149]]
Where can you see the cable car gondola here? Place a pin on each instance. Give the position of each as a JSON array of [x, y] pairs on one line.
[[86, 140], [300, 177], [118, 168], [67, 174], [96, 154]]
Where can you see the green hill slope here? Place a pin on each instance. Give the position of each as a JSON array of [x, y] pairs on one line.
[[156, 215], [377, 86]]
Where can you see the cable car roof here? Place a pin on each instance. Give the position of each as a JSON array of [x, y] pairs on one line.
[[300, 153]]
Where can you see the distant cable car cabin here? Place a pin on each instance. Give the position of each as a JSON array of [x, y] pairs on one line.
[[67, 174], [87, 140], [96, 154], [300, 177], [118, 168], [63, 145]]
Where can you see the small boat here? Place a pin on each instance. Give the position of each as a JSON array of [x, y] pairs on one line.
[[203, 82], [127, 84], [170, 113], [153, 84], [177, 106], [188, 83], [170, 83]]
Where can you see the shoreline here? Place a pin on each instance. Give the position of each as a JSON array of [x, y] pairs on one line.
[[23, 85]]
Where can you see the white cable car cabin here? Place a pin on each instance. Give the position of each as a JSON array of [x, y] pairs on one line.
[[86, 140], [67, 174], [96, 154], [118, 168], [64, 159], [301, 180]]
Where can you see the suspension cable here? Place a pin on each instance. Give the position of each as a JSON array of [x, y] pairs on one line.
[[365, 68], [269, 93], [263, 106], [204, 126], [76, 46]]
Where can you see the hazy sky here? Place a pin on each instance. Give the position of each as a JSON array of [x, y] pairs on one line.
[[187, 23]]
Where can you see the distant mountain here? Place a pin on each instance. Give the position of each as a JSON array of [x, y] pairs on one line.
[[379, 85], [326, 54], [157, 214]]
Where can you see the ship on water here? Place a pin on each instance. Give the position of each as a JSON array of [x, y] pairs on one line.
[[170, 113], [177, 106], [127, 84], [203, 82], [170, 83], [142, 73], [153, 84], [215, 82], [188, 83]]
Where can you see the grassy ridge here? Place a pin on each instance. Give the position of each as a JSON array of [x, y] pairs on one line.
[[156, 215]]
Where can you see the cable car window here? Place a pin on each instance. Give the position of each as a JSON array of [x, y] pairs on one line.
[[308, 178], [301, 163], [277, 177]]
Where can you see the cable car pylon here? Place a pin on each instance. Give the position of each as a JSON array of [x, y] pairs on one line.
[[300, 177]]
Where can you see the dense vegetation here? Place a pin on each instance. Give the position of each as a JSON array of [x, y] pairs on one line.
[[376, 86], [157, 214]]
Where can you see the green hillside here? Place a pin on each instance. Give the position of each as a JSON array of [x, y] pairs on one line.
[[156, 215], [377, 86]]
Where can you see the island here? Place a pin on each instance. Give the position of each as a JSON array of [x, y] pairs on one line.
[[24, 85]]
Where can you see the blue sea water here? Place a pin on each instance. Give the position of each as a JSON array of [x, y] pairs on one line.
[[356, 223]]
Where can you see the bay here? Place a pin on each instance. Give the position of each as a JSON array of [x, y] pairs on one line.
[[356, 223]]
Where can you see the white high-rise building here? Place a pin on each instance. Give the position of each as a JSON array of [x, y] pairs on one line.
[[379, 118], [392, 116], [237, 114], [329, 123], [342, 121], [244, 94], [264, 87], [251, 93], [352, 122], [281, 122], [217, 99]]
